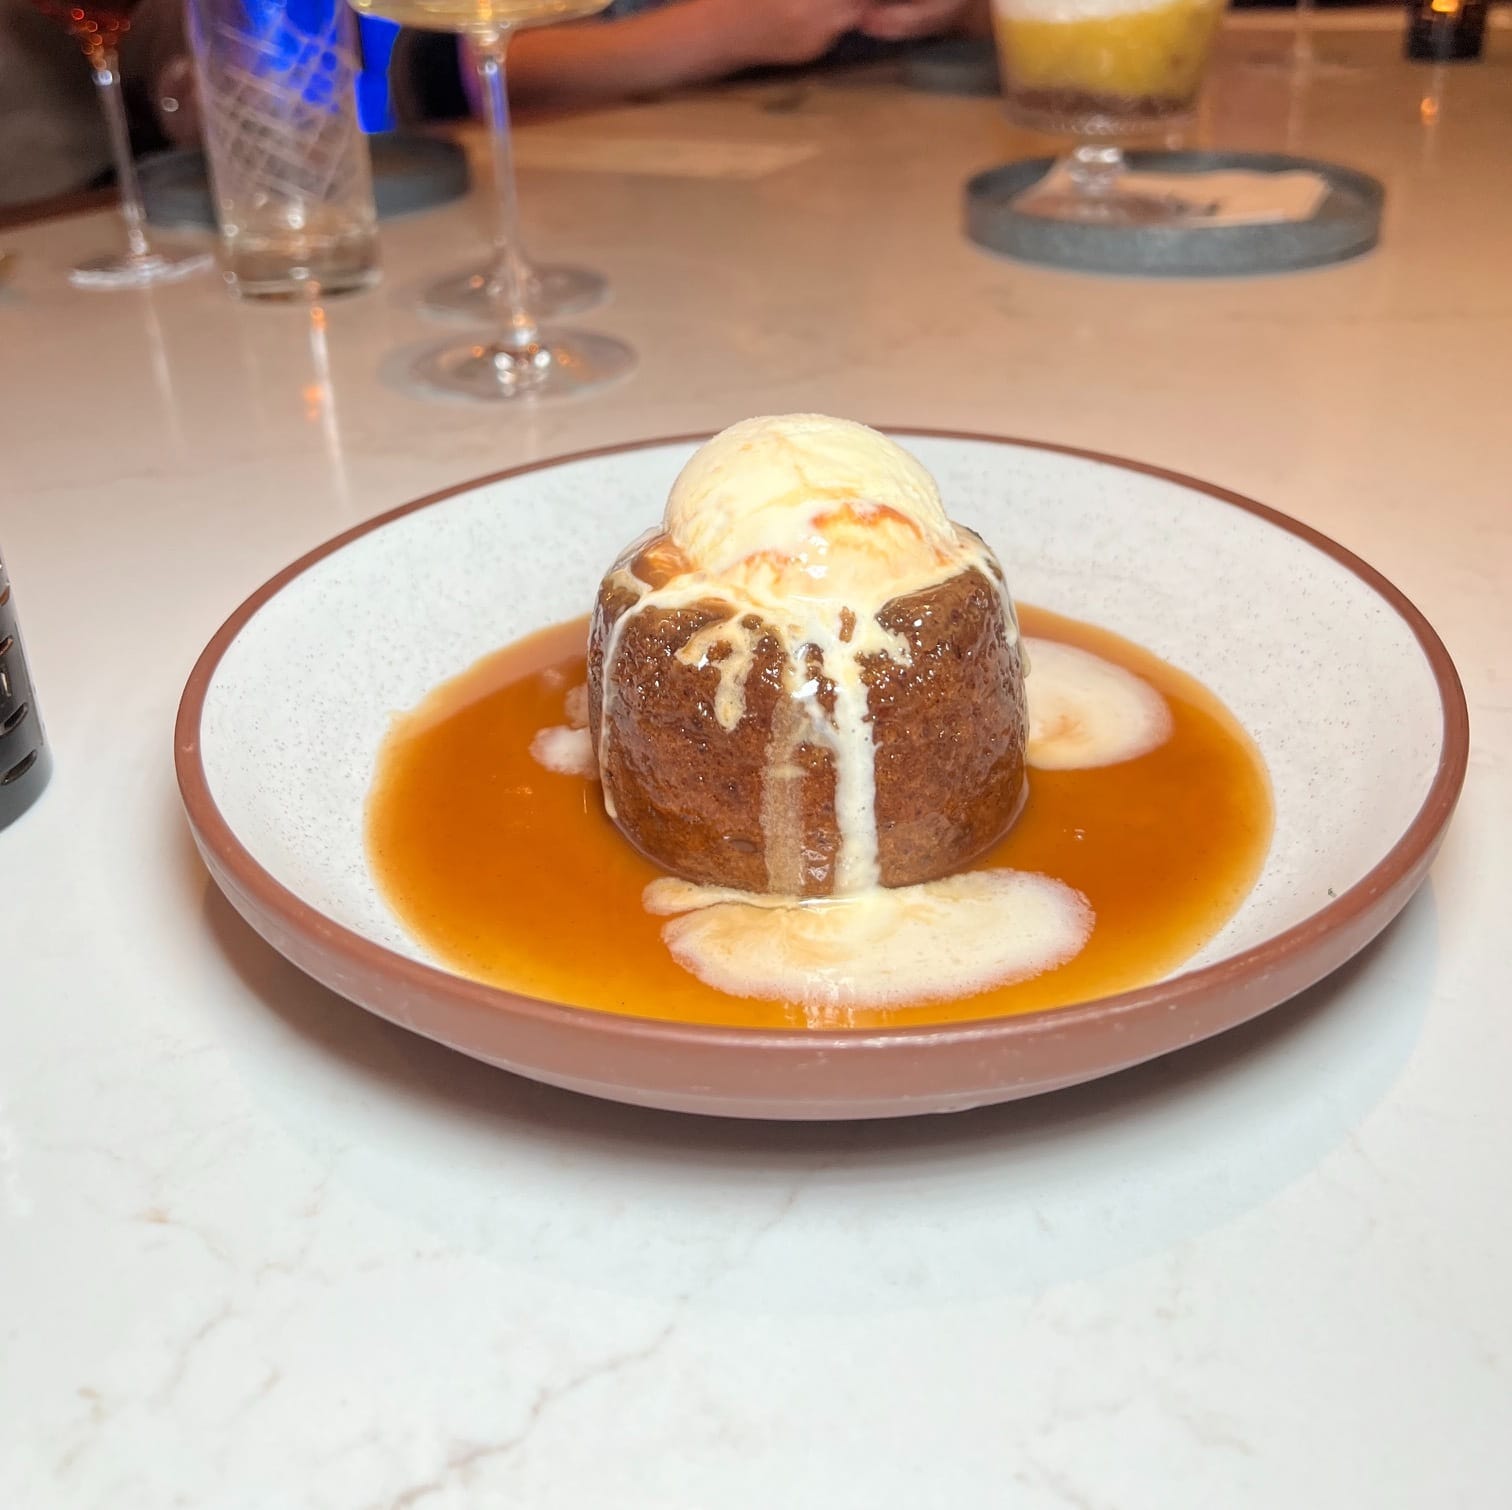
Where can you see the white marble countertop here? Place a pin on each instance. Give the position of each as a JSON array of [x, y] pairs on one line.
[[258, 1249]]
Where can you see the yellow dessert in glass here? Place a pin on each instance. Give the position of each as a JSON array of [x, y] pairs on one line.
[[1073, 64]]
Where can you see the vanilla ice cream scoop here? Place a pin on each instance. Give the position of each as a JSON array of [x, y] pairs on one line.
[[806, 506]]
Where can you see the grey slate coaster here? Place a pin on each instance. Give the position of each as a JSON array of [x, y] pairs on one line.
[[954, 65], [409, 173], [1347, 223]]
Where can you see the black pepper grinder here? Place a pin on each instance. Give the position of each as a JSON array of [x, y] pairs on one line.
[[1444, 31], [25, 763]]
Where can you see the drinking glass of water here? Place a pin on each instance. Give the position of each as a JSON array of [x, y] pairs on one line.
[[288, 161]]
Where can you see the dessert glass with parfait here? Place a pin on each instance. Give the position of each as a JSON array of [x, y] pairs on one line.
[[1101, 70]]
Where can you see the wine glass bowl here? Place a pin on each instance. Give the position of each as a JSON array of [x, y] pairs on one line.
[[97, 29], [471, 17]]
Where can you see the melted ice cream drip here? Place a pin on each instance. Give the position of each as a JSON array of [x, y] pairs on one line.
[[568, 749], [568, 752], [891, 947], [1085, 711]]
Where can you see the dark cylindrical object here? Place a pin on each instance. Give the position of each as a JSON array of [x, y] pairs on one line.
[[1443, 31], [25, 763]]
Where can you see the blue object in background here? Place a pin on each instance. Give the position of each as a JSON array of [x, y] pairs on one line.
[[375, 109], [282, 32]]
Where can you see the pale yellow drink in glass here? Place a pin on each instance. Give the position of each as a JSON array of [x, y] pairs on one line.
[[478, 15], [1103, 66]]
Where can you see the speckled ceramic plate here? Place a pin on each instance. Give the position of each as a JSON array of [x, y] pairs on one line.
[[1342, 683]]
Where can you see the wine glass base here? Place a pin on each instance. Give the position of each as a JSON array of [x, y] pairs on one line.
[[555, 289], [1113, 209], [561, 364], [122, 270]]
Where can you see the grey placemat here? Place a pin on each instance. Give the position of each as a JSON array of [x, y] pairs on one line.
[[409, 173], [1347, 223]]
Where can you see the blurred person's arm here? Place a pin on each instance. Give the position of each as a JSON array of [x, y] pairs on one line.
[[690, 42], [904, 20]]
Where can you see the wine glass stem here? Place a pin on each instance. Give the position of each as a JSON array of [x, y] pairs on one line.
[[1096, 168], [511, 275], [107, 77], [1303, 36]]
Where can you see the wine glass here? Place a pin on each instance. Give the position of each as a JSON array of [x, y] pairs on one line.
[[98, 30], [523, 359], [1100, 72]]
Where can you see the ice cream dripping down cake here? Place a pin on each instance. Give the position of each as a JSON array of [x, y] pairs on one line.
[[825, 775]]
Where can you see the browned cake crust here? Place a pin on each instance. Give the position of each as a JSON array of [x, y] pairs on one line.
[[948, 729]]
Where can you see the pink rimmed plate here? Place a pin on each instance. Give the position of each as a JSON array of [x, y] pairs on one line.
[[1344, 686]]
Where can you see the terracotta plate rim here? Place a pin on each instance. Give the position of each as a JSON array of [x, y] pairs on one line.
[[1412, 849]]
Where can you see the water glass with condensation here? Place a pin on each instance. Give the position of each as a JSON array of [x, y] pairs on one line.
[[288, 161]]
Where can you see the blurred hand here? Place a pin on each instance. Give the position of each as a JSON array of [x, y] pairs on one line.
[[789, 31], [900, 20]]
